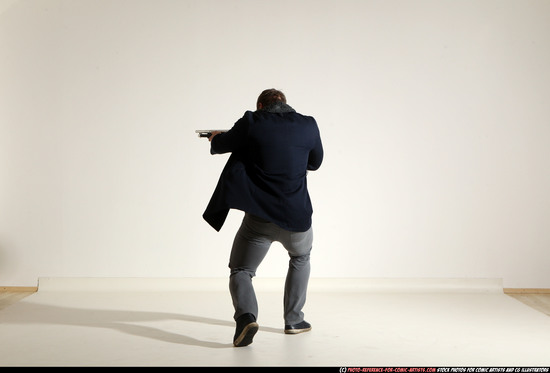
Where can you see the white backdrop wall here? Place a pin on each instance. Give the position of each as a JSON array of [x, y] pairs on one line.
[[435, 117]]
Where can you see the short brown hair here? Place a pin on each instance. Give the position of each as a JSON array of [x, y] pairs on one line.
[[270, 96]]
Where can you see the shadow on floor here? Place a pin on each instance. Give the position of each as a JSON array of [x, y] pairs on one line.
[[123, 321]]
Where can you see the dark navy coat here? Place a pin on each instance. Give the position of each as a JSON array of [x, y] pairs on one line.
[[266, 172]]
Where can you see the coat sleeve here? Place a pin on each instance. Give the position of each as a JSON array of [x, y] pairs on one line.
[[316, 154], [232, 140]]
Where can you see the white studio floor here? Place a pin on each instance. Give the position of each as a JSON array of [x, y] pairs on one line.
[[364, 323]]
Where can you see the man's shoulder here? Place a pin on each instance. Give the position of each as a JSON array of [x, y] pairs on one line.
[[261, 115], [307, 117]]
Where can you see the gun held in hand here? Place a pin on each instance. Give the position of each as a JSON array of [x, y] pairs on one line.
[[207, 133]]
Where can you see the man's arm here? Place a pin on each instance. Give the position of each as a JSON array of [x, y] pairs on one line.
[[226, 142], [316, 155]]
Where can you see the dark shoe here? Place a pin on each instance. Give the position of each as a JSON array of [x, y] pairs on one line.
[[246, 329], [302, 327]]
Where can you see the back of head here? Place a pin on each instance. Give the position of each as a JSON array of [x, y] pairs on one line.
[[269, 97]]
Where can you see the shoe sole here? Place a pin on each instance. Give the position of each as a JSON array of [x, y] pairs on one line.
[[297, 331], [246, 336]]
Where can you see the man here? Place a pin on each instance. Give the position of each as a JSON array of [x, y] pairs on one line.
[[271, 149]]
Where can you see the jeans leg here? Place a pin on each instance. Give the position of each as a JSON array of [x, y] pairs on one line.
[[299, 268], [249, 249]]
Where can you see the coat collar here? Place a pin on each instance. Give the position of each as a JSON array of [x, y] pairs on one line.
[[279, 107]]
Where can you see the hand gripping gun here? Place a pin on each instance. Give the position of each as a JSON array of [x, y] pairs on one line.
[[207, 133]]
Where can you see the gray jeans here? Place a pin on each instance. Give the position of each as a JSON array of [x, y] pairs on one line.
[[250, 246]]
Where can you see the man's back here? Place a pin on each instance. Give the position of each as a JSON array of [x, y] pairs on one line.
[[280, 144]]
